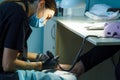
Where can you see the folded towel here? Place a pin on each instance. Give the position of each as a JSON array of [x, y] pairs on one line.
[[41, 75], [99, 12], [113, 16]]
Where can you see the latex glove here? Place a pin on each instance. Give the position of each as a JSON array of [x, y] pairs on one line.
[[42, 57], [51, 63]]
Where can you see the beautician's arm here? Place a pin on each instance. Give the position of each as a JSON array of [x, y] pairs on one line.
[[10, 62], [32, 56]]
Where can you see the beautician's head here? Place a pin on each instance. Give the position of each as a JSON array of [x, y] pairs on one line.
[[45, 9], [40, 7]]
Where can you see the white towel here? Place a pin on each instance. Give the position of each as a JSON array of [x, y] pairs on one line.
[[99, 12]]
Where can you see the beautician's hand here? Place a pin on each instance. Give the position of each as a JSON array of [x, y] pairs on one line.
[[50, 63], [42, 57]]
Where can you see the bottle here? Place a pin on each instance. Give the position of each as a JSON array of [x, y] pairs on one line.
[[59, 9]]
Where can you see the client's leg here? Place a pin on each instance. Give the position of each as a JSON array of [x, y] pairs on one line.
[[117, 71], [93, 57]]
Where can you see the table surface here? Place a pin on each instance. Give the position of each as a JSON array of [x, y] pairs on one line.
[[79, 26]]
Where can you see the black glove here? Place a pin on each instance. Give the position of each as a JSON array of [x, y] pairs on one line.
[[50, 63], [42, 57]]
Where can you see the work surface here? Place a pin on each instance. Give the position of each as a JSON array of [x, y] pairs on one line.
[[69, 35], [80, 25]]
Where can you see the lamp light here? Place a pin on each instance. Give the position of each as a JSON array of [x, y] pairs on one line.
[[73, 7], [70, 3]]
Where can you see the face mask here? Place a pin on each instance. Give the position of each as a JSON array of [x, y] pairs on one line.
[[34, 21]]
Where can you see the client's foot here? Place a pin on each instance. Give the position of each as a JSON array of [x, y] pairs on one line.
[[78, 69], [63, 66]]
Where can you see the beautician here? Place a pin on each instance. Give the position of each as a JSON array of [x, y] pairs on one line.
[[15, 16]]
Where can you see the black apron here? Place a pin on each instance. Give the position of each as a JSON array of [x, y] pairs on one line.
[[9, 76]]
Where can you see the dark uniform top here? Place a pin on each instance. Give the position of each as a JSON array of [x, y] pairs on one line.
[[14, 28]]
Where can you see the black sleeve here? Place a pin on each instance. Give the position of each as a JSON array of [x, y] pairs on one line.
[[15, 29]]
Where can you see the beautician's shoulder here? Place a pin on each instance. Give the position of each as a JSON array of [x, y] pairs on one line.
[[10, 7]]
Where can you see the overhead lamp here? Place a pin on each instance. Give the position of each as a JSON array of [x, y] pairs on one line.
[[71, 3], [73, 7]]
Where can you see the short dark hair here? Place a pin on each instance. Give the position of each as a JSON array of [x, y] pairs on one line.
[[51, 4]]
